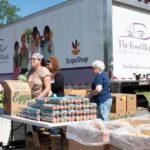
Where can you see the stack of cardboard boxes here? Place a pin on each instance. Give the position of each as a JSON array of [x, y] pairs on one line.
[[123, 105]]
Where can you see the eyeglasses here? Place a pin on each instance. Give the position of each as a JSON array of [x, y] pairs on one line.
[[33, 59], [47, 64]]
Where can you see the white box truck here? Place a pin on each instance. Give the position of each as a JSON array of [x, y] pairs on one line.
[[85, 30]]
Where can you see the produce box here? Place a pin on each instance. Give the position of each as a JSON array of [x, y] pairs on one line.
[[1, 93], [80, 92], [76, 92], [16, 95], [56, 142], [113, 116], [119, 104], [114, 148], [131, 104], [73, 145], [67, 92]]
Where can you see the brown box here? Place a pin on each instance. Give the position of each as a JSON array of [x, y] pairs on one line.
[[32, 141], [113, 116], [119, 104], [131, 104], [45, 146], [1, 93], [56, 143], [67, 92], [131, 113], [81, 92], [114, 148], [121, 115], [35, 142], [76, 92], [77, 146], [29, 143], [16, 95]]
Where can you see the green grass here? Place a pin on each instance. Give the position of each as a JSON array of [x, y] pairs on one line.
[[146, 94], [1, 104]]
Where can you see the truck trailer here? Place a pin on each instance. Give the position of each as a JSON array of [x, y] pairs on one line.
[[114, 31]]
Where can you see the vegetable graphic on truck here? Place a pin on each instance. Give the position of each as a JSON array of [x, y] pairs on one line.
[[75, 46]]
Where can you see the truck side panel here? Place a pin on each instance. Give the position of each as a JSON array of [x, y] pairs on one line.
[[80, 22], [131, 43]]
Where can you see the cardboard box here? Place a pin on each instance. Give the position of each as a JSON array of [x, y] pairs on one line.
[[114, 148], [76, 92], [16, 95], [119, 104], [131, 113], [131, 104], [56, 142], [31, 142], [121, 115], [1, 93], [113, 116], [77, 146], [46, 146], [36, 142], [81, 92], [67, 92]]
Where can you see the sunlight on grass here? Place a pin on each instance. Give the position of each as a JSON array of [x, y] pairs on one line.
[[1, 104]]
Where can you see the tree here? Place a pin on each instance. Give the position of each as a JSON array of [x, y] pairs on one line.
[[7, 12]]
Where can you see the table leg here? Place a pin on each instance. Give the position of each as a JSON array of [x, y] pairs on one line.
[[62, 138], [25, 133], [12, 135]]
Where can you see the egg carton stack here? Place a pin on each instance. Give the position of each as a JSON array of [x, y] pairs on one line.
[[60, 109], [66, 109], [30, 113]]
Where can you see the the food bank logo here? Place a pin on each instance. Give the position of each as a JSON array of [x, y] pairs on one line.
[[127, 41], [76, 51], [75, 46], [137, 31]]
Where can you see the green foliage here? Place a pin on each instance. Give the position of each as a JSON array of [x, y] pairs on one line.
[[1, 96], [22, 78], [7, 12]]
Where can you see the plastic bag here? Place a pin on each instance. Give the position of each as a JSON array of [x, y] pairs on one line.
[[131, 138], [89, 133], [115, 124], [136, 121]]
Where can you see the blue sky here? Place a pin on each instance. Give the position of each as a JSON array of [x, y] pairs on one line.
[[28, 7]]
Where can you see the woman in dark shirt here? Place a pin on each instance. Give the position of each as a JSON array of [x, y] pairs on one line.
[[100, 90], [57, 85]]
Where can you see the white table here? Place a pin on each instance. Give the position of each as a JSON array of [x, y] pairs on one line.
[[35, 123], [43, 124]]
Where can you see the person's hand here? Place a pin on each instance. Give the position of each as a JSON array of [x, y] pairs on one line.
[[94, 92]]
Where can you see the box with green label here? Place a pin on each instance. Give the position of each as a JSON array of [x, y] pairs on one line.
[[1, 93], [16, 95]]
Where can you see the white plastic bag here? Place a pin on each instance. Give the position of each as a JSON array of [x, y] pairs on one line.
[[89, 133], [130, 138]]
